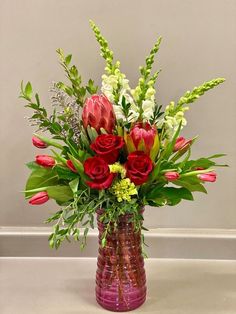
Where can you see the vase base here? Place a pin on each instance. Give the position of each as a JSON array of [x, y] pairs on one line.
[[121, 307]]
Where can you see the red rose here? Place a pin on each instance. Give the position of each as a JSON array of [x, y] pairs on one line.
[[98, 170], [138, 167], [108, 146]]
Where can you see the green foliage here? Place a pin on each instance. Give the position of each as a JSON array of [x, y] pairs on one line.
[[167, 196], [190, 97], [157, 113], [76, 89], [69, 188], [146, 70], [78, 214], [193, 184], [40, 115], [146, 81], [60, 193], [114, 210], [40, 178], [106, 52]]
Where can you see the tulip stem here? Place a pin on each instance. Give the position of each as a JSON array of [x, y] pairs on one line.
[[193, 173], [49, 141], [42, 189]]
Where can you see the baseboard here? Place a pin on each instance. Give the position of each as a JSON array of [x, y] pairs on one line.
[[162, 243]]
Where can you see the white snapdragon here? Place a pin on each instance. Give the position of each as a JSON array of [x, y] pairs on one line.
[[110, 85], [148, 104], [172, 119]]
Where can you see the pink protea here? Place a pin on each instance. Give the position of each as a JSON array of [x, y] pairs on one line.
[[143, 137], [98, 113]]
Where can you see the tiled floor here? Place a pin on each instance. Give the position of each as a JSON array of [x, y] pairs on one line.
[[66, 286]]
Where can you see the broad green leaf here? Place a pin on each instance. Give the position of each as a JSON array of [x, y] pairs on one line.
[[40, 178], [201, 162], [32, 165], [170, 193], [74, 185], [190, 185], [65, 173], [60, 193]]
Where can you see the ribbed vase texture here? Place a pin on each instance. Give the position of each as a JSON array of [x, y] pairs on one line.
[[120, 277]]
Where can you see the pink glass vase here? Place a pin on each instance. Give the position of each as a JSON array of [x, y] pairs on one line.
[[120, 277]]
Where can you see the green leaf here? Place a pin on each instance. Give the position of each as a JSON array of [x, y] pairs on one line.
[[68, 59], [74, 185], [170, 146], [78, 166], [42, 177], [201, 162], [65, 173], [60, 193], [193, 188], [193, 184], [170, 194], [28, 91], [92, 133], [216, 156], [32, 165]]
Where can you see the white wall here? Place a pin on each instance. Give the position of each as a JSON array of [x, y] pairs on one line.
[[199, 43]]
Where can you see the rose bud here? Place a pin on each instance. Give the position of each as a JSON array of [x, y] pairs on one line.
[[45, 161], [98, 170], [98, 113], [138, 167], [172, 175], [207, 177], [71, 166], [38, 143], [108, 146], [143, 137], [39, 198], [182, 144]]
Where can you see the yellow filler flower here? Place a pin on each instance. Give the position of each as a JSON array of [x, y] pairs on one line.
[[124, 189]]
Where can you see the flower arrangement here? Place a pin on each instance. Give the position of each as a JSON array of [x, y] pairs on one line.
[[117, 149]]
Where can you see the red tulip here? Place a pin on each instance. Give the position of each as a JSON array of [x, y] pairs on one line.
[[143, 137], [39, 198], [172, 175], [71, 166], [38, 143], [181, 144], [98, 113], [45, 161], [207, 177]]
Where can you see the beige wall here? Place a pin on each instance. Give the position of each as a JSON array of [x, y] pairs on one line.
[[199, 44]]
